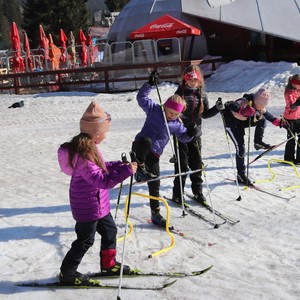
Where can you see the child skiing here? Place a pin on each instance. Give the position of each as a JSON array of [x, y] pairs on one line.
[[238, 115], [192, 91], [292, 116], [150, 142], [91, 180]]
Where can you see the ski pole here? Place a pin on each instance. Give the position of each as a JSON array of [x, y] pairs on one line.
[[164, 177], [124, 160], [133, 158], [248, 152], [207, 186], [271, 149], [209, 196], [180, 176], [229, 149], [166, 122], [288, 127]]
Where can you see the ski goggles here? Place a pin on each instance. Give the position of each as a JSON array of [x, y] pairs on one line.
[[192, 75], [295, 81], [108, 118]]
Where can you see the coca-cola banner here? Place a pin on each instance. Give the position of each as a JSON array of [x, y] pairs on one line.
[[164, 27]]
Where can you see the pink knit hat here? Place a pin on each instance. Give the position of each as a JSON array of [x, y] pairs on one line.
[[261, 97], [95, 119]]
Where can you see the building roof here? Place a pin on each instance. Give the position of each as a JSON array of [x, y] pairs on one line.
[[274, 17]]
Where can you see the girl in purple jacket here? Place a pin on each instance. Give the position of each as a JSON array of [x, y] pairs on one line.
[[150, 142], [91, 180]]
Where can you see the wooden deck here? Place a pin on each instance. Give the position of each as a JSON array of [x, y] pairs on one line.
[[101, 78]]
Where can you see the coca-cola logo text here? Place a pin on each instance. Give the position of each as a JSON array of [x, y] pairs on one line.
[[139, 35], [158, 26], [182, 31]]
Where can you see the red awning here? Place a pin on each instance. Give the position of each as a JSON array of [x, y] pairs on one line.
[[62, 39], [83, 51], [164, 27], [27, 51], [17, 60], [44, 43]]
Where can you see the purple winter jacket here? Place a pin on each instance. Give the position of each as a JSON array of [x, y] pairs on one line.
[[154, 126], [89, 186]]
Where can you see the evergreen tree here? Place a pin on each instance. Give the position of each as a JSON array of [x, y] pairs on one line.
[[4, 32], [34, 14], [68, 15], [115, 5], [9, 12]]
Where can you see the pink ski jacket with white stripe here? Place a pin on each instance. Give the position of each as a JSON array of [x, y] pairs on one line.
[[290, 98]]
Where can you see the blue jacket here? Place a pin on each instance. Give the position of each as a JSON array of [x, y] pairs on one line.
[[154, 126]]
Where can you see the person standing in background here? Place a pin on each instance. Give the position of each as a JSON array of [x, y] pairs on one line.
[[292, 116], [192, 91]]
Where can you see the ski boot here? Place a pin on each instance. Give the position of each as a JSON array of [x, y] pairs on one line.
[[115, 270], [243, 179], [157, 218], [75, 279], [261, 145], [200, 198]]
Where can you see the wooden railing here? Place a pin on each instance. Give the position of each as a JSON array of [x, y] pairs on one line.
[[107, 75]]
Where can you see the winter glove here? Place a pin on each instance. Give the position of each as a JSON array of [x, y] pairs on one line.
[[219, 104], [247, 111], [280, 123], [295, 105], [192, 130], [284, 124], [153, 78], [249, 97], [173, 159]]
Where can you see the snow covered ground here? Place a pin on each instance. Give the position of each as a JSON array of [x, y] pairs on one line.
[[257, 258]]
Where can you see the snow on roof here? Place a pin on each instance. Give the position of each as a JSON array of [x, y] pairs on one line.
[[274, 17]]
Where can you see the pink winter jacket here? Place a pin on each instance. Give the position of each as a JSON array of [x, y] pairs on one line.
[[89, 187], [290, 98]]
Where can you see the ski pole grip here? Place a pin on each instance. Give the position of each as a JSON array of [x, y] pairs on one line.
[[124, 158], [133, 156], [219, 104]]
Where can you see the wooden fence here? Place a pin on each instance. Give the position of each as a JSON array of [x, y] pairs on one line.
[[102, 78]]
